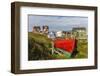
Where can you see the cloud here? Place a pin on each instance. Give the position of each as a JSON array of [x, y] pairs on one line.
[[58, 22]]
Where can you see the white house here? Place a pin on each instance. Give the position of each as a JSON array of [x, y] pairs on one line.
[[59, 34]]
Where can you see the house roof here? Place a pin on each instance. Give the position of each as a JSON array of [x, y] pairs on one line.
[[79, 28]]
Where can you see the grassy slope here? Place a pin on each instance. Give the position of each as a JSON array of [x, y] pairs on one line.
[[42, 44], [39, 46], [39, 37], [82, 48]]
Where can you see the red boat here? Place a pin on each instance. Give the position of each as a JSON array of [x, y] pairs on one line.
[[65, 44]]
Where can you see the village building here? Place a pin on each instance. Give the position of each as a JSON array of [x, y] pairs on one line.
[[36, 29], [66, 34], [45, 29], [63, 34], [59, 34], [79, 33], [51, 35]]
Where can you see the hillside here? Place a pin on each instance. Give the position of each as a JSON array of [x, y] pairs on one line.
[[38, 46]]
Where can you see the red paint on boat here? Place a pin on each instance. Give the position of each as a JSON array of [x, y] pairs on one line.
[[65, 44]]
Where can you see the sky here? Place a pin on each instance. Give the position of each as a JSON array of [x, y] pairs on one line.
[[57, 23]]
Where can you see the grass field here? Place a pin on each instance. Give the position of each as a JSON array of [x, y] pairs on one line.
[[39, 48], [82, 47]]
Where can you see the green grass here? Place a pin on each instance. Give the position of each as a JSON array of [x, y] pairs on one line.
[[39, 48], [39, 37], [82, 47]]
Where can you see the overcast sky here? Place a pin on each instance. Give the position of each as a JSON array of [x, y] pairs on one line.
[[57, 23]]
